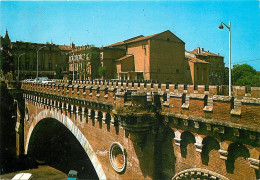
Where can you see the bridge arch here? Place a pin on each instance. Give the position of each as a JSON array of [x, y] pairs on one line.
[[68, 123], [198, 173]]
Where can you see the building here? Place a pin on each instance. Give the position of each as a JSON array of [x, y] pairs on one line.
[[108, 57], [158, 57], [52, 59], [86, 62], [199, 70], [216, 64]]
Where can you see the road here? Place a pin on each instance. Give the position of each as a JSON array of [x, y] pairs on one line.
[[42, 172]]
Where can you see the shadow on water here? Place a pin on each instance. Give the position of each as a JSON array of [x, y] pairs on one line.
[[54, 144]]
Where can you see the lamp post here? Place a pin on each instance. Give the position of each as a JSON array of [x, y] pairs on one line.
[[229, 76], [19, 65], [37, 60], [73, 66]]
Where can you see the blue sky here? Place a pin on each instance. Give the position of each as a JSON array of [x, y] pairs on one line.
[[107, 22]]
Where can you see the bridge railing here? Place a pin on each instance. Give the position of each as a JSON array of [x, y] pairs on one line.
[[237, 91]]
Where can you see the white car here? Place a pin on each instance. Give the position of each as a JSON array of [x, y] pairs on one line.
[[47, 81], [22, 176]]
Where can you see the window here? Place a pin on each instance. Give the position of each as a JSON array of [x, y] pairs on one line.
[[144, 48], [42, 65], [27, 64], [50, 66]]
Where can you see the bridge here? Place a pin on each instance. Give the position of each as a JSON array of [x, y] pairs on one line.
[[150, 131]]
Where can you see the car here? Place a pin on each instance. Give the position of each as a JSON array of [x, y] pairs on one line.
[[40, 79], [22, 176], [48, 81], [72, 175]]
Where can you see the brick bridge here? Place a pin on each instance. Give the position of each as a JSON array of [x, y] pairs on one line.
[[151, 131]]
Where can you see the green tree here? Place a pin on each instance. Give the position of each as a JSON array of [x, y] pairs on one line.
[[226, 76], [102, 71], [6, 58], [245, 75], [94, 58]]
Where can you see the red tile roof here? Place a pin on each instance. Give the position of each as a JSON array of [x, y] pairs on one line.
[[139, 38], [125, 57], [195, 60], [203, 53]]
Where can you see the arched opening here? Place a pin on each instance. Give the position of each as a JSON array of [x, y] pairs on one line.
[[92, 116], [209, 143], [53, 143], [100, 116], [235, 150], [108, 120], [186, 138]]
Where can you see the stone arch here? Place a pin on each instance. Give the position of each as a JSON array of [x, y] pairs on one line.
[[198, 173], [235, 150], [186, 138], [209, 143], [67, 122]]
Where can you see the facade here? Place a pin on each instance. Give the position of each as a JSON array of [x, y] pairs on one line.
[[216, 64], [108, 57], [199, 71], [86, 62], [158, 57], [52, 59]]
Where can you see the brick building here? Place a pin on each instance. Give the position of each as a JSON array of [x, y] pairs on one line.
[[216, 64], [158, 57], [108, 57], [52, 59], [199, 71]]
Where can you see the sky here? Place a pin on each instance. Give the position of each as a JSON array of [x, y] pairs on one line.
[[105, 22]]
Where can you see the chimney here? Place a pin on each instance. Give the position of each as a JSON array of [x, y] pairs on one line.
[[72, 45], [198, 50], [202, 49]]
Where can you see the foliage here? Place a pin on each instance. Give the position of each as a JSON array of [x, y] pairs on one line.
[[133, 110], [102, 71], [226, 76], [245, 75], [6, 58], [94, 58]]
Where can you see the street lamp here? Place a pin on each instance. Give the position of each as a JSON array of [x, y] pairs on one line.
[[229, 77], [73, 66], [37, 60], [19, 65]]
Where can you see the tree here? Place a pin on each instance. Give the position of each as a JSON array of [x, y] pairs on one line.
[[245, 75], [6, 58], [226, 76], [94, 59], [102, 71]]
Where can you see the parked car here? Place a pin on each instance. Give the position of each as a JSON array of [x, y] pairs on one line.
[[43, 80], [40, 79], [72, 175], [22, 176]]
